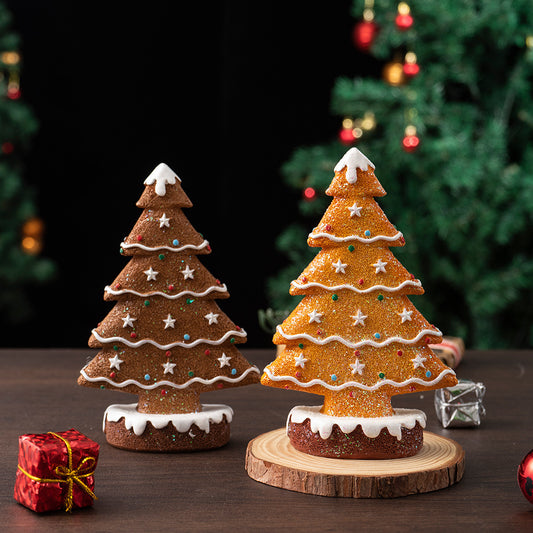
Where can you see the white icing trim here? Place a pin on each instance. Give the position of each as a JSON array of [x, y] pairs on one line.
[[210, 413], [355, 237], [162, 175], [365, 342], [353, 159], [213, 288], [414, 283], [323, 424], [376, 386], [126, 246], [131, 344], [168, 383]]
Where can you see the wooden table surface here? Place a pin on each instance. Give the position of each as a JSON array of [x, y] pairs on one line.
[[207, 491]]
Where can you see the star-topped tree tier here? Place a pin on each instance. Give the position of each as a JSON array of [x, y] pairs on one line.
[[355, 337], [166, 339]]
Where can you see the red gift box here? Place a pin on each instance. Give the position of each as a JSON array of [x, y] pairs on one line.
[[55, 470]]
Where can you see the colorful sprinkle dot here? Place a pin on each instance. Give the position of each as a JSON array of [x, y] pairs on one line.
[[233, 371], [351, 248], [139, 238], [115, 347], [164, 392], [171, 287], [301, 346], [168, 353], [190, 373], [161, 256], [232, 340], [207, 352], [367, 233], [361, 281], [377, 335], [428, 374], [381, 375], [175, 242], [380, 297], [190, 300], [186, 337], [335, 297], [133, 335], [399, 352], [147, 377], [112, 375], [146, 303], [333, 377]]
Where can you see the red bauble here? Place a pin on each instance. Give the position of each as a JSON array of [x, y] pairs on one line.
[[346, 136], [309, 193], [404, 21], [411, 69], [525, 476], [410, 143], [364, 33]]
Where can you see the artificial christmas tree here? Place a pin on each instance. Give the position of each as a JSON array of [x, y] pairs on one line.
[[166, 339], [457, 159], [355, 337]]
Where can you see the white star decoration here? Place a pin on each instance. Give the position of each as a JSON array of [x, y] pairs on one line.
[[128, 321], [418, 361], [224, 360], [339, 267], [406, 315], [150, 274], [380, 266], [359, 318], [163, 221], [212, 317], [355, 210], [169, 321], [169, 367], [187, 273], [315, 316], [300, 360], [357, 367], [115, 362]]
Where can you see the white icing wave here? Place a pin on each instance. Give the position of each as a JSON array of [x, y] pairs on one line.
[[323, 424], [126, 246], [210, 413], [353, 159], [365, 342], [131, 344], [213, 288], [164, 383], [356, 237], [347, 384], [413, 283]]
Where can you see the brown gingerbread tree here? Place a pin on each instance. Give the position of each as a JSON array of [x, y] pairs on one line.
[[166, 339], [355, 337]]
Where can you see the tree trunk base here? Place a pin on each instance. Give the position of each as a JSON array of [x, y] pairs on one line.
[[271, 459], [128, 429]]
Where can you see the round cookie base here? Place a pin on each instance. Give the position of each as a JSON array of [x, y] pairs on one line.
[[167, 439], [355, 445]]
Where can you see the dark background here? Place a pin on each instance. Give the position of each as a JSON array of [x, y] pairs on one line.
[[222, 92]]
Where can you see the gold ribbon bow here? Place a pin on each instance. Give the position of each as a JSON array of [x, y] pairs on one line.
[[68, 475]]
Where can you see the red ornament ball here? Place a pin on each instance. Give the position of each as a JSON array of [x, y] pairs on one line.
[[346, 136], [525, 476], [410, 143], [364, 33], [404, 21], [411, 69], [309, 194]]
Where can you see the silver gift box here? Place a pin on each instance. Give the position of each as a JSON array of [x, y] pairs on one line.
[[460, 405]]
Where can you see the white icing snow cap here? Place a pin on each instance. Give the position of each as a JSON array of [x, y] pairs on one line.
[[162, 175], [353, 159]]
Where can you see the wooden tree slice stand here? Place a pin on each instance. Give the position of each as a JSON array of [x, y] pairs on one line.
[[271, 459]]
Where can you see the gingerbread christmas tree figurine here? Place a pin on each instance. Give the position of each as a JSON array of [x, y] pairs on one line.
[[355, 337], [166, 339]]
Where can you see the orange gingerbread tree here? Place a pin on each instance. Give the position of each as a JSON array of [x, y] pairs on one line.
[[355, 337]]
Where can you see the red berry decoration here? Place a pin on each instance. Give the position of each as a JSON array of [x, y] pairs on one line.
[[525, 476]]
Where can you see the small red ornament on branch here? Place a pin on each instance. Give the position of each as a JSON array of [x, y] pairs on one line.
[[404, 19], [365, 31], [410, 141]]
